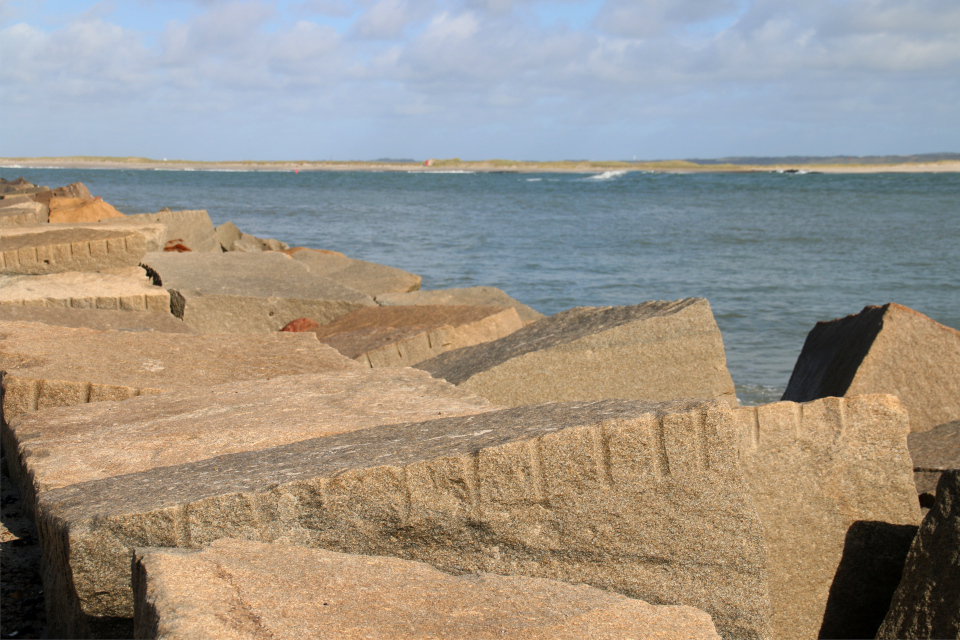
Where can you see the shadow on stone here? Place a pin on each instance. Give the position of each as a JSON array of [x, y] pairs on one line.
[[869, 572]]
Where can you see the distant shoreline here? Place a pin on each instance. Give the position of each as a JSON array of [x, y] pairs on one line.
[[483, 166]]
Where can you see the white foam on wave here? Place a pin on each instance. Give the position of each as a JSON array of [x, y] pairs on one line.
[[608, 175], [445, 171], [534, 179]]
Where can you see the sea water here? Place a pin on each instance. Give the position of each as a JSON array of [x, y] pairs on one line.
[[772, 253]]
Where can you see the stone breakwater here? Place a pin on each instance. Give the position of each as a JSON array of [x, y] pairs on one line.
[[210, 434]]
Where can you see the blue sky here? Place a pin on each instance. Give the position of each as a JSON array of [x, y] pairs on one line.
[[523, 79]]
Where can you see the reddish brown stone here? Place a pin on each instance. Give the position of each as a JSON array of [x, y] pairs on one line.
[[301, 324]]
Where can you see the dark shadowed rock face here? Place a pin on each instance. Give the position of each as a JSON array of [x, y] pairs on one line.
[[934, 452], [651, 351], [927, 602], [887, 349], [218, 592], [642, 499]]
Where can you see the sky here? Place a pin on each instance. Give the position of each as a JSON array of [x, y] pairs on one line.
[[478, 79]]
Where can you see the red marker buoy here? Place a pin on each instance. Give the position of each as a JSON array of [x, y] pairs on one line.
[[296, 170]]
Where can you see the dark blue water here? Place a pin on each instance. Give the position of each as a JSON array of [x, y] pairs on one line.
[[772, 253]]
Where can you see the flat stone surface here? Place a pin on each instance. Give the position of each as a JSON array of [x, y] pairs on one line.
[[819, 472], [45, 366], [370, 278], [227, 234], [927, 602], [24, 215], [293, 592], [154, 233], [404, 336], [887, 349], [192, 227], [100, 319], [80, 210], [483, 296], [127, 289], [934, 452], [42, 250], [651, 351], [641, 499], [243, 292]]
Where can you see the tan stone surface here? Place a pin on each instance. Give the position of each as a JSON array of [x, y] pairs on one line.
[[651, 351], [294, 593], [41, 250], [887, 349], [483, 296], [227, 234], [934, 452], [45, 366], [404, 336], [814, 470], [192, 227], [927, 602], [100, 319], [248, 292], [641, 499], [80, 210], [60, 447], [24, 215], [154, 233], [370, 278], [127, 289], [74, 190]]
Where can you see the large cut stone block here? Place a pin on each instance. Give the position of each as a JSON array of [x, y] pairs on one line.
[[817, 472], [42, 250], [296, 593], [927, 602], [127, 289], [24, 215], [80, 210], [889, 349], [651, 351], [370, 278], [404, 336], [192, 228], [100, 319], [642, 499], [934, 452], [154, 233], [248, 292], [45, 366], [482, 296]]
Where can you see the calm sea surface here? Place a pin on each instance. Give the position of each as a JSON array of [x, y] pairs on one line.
[[773, 253]]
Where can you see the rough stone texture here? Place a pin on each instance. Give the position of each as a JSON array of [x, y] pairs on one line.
[[74, 190], [100, 319], [370, 278], [154, 233], [404, 336], [816, 470], [127, 289], [483, 296], [651, 351], [887, 349], [24, 215], [70, 445], [15, 200], [236, 589], [192, 227], [41, 250], [642, 499], [80, 210], [227, 234], [45, 366], [927, 602], [934, 452], [239, 292]]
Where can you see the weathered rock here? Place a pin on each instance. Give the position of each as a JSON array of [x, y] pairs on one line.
[[934, 452], [227, 234], [74, 190], [641, 499], [191, 227], [404, 336], [651, 351], [220, 590], [301, 324], [45, 366], [24, 215], [248, 244], [100, 319], [154, 233], [41, 250], [819, 474], [127, 289], [15, 200], [483, 296], [80, 210], [927, 602], [370, 278], [888, 349], [239, 292]]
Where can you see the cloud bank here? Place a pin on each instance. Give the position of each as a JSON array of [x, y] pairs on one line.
[[528, 79]]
